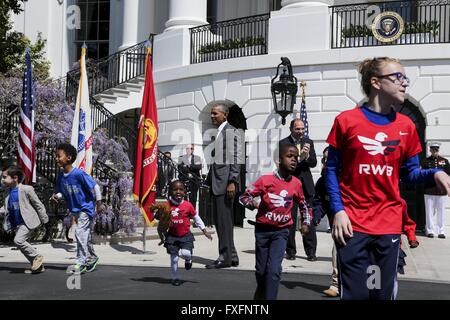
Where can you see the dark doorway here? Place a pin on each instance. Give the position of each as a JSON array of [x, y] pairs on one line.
[[413, 193]]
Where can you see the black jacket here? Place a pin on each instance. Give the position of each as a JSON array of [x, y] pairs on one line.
[[303, 171], [431, 163]]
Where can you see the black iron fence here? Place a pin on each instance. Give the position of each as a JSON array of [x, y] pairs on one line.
[[230, 39], [109, 72], [423, 22], [115, 128]]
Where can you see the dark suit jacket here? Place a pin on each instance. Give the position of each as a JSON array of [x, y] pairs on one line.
[[186, 167], [303, 171], [228, 157]]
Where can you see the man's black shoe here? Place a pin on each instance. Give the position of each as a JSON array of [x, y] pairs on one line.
[[430, 235], [312, 258], [188, 264], [234, 263], [290, 257], [219, 265], [441, 236]]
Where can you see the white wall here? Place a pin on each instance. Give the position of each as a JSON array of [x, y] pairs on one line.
[[333, 85]]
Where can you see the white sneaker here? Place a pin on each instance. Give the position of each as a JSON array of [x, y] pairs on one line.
[[37, 262]]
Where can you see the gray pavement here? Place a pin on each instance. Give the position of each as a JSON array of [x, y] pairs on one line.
[[429, 262]]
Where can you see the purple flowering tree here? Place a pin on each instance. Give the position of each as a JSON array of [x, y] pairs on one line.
[[53, 126]]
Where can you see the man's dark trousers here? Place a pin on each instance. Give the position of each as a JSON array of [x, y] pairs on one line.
[[224, 218], [309, 239], [193, 188]]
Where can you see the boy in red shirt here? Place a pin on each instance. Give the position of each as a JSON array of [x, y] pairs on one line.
[[277, 191]]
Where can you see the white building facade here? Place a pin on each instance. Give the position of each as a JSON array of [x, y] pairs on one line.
[[300, 30]]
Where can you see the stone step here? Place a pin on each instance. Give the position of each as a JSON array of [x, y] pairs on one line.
[[106, 98], [119, 92]]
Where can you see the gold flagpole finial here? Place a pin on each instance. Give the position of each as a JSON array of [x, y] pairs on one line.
[[303, 87]]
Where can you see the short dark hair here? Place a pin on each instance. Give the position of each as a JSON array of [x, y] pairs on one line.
[[69, 150], [293, 122], [283, 147], [172, 184], [14, 171], [224, 108]]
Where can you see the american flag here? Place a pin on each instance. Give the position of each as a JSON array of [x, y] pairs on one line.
[[26, 147], [304, 116]]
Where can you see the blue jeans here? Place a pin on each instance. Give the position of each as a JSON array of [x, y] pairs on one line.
[[270, 244]]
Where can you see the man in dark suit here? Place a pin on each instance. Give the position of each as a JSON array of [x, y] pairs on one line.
[[189, 167], [307, 160], [223, 180]]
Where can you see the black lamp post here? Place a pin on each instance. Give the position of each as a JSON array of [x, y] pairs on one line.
[[284, 90]]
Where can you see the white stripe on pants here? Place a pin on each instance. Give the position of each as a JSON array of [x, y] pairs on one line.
[[21, 241], [433, 203], [83, 235]]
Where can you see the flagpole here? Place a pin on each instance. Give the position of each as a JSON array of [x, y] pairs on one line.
[[144, 232]]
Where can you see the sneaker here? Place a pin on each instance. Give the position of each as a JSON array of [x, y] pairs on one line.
[[176, 282], [76, 268], [188, 264], [39, 270], [91, 267], [331, 292], [441, 236], [37, 262]]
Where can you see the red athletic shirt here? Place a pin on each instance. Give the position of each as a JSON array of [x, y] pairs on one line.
[[181, 215], [371, 159], [277, 197]]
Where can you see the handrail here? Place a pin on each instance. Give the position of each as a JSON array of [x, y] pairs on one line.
[[109, 72], [103, 118]]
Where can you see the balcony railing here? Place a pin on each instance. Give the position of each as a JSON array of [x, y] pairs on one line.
[[424, 22], [230, 39], [110, 71]]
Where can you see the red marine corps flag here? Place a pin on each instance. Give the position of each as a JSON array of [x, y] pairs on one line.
[[146, 165]]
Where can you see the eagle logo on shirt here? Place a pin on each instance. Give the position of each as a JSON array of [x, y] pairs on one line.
[[379, 145], [175, 213], [281, 200]]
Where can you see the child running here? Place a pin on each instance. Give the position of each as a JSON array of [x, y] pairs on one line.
[[179, 239], [278, 192], [80, 192], [23, 213]]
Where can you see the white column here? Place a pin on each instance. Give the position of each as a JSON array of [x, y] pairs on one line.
[[299, 16], [186, 14], [130, 9], [288, 4]]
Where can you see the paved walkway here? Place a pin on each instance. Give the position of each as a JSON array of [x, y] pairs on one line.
[[430, 261]]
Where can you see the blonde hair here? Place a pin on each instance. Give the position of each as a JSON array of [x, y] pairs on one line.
[[371, 68]]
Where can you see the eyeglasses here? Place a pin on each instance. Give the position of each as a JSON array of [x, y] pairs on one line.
[[400, 77]]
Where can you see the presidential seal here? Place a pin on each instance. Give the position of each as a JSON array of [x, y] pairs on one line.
[[387, 26]]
